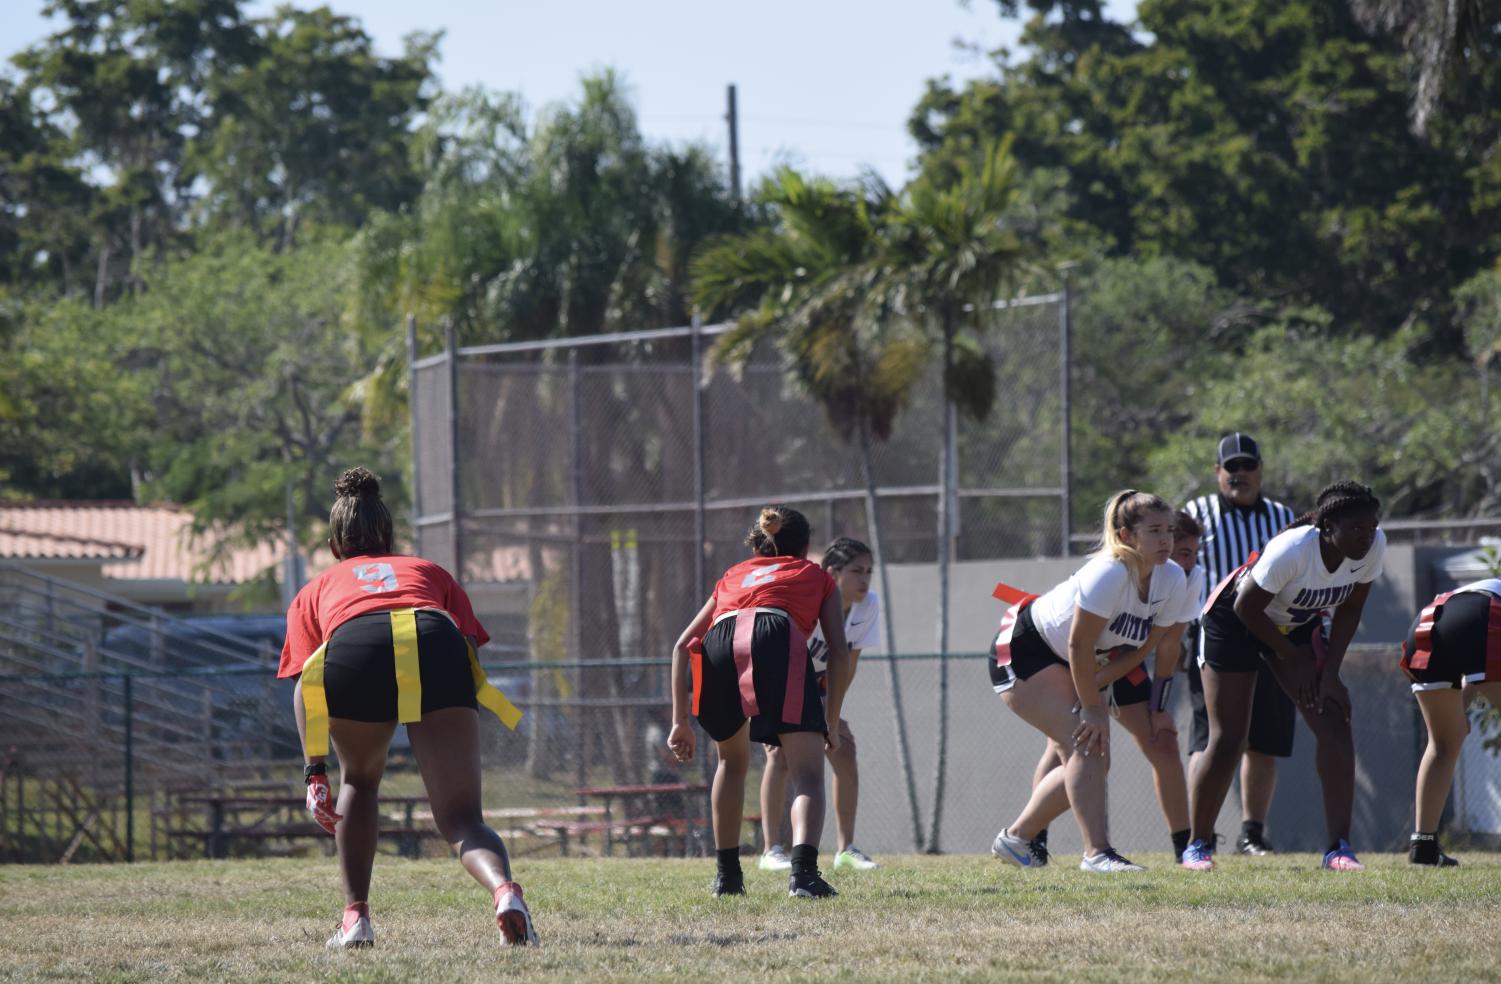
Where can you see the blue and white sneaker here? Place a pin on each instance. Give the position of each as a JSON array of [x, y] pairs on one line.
[[1198, 856], [1017, 850], [1342, 858]]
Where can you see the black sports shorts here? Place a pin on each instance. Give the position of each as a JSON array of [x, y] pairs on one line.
[[719, 708], [1457, 645], [1030, 654], [360, 667]]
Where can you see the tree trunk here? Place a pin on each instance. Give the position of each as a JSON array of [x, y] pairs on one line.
[[945, 523], [873, 520]]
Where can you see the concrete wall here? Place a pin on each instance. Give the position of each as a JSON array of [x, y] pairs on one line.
[[991, 753]]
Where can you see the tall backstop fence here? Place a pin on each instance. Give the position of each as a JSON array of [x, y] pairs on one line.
[[598, 486]]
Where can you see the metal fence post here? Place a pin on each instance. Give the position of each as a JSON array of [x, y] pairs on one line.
[[451, 345], [576, 574], [415, 431], [130, 771], [699, 531], [1065, 329]]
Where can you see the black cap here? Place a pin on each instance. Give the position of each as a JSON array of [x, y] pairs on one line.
[[1238, 445]]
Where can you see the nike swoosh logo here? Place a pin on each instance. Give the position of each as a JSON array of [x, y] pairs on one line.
[[1354, 569]]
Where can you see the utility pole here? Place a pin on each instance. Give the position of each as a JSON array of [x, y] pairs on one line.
[[732, 117]]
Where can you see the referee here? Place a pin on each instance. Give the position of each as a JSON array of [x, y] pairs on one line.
[[1238, 521]]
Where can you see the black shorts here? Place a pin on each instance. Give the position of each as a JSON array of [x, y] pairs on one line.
[[359, 673], [1127, 693], [719, 708], [1274, 717], [1229, 647], [1030, 654], [1458, 644]]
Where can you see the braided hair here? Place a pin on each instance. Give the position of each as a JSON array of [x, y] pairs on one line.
[[780, 531], [841, 552], [1338, 499], [359, 523]]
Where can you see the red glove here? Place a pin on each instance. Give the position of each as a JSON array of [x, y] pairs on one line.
[[320, 803]]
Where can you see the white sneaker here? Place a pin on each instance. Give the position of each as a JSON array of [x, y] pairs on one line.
[[512, 917], [1017, 850], [853, 857], [1108, 861], [775, 859], [355, 931]]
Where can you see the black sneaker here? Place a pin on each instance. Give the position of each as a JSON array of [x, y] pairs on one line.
[[728, 884], [1426, 852], [809, 886], [1256, 845], [1038, 848]]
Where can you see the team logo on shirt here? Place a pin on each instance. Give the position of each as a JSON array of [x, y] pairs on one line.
[[1134, 627], [1321, 598]]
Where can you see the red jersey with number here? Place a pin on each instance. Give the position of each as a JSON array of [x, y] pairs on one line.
[[789, 583], [361, 585]]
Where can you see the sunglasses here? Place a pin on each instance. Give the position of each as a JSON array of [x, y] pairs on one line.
[[1240, 465]]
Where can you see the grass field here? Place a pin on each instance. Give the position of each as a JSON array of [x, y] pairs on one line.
[[917, 918]]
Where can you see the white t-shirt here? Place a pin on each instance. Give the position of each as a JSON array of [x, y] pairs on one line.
[[1292, 569], [862, 630], [1193, 602], [1105, 587]]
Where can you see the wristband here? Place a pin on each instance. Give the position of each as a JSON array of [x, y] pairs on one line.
[[316, 769], [1162, 688]]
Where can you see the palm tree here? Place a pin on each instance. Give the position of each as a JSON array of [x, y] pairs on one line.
[[947, 252], [1439, 36], [804, 282]]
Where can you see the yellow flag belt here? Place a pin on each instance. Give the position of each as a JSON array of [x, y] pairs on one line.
[[408, 684]]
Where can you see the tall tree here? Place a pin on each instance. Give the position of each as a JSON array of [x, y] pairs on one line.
[[1264, 139], [949, 251]]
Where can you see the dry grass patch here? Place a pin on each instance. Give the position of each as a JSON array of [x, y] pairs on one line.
[[917, 918]]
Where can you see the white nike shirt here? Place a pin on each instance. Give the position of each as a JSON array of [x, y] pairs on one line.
[[862, 630], [1302, 588], [1105, 587]]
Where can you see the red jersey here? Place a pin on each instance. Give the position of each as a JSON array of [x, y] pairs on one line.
[[361, 585], [793, 585]]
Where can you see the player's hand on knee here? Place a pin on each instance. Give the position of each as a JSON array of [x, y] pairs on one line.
[[320, 803], [1092, 735], [1332, 690], [681, 742]]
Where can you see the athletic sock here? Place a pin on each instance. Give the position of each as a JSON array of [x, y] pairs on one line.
[[1423, 848], [1252, 829], [1180, 842], [359, 909], [804, 859], [728, 860]]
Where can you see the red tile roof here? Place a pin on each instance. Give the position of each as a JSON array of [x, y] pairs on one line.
[[135, 542]]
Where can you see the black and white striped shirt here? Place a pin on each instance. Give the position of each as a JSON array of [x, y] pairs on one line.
[[1232, 534]]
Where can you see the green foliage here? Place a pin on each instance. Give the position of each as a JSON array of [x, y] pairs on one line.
[[1264, 139]]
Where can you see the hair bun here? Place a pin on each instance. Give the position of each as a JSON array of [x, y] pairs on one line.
[[358, 482], [771, 522]]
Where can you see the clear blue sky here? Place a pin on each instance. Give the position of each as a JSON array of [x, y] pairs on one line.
[[824, 84]]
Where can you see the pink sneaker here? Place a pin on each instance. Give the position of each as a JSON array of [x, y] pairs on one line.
[[1198, 856], [512, 917], [1342, 858]]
